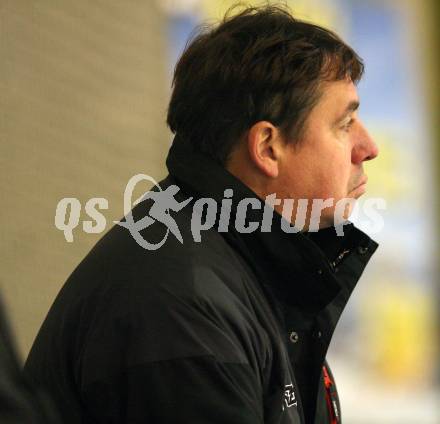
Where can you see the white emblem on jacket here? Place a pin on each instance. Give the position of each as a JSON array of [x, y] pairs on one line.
[[289, 396]]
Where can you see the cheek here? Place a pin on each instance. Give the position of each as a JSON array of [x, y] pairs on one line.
[[320, 175], [333, 178]]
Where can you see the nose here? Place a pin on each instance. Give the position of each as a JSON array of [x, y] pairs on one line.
[[365, 147]]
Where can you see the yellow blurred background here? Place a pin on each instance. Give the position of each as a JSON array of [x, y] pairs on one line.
[[84, 92]]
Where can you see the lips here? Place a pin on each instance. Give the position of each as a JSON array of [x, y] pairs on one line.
[[362, 181], [360, 187]]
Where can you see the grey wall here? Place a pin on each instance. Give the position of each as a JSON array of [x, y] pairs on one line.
[[83, 96]]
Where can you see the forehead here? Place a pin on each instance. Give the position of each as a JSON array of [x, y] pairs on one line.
[[336, 95]]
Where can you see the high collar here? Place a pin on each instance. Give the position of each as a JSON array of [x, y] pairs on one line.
[[298, 266]]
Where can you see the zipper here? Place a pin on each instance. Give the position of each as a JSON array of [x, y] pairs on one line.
[[331, 397], [339, 259]]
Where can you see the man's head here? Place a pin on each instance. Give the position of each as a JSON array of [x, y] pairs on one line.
[[273, 99]]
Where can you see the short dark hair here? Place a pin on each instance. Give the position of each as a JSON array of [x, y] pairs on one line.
[[259, 64]]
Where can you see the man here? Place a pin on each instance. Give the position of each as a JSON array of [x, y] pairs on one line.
[[228, 323]]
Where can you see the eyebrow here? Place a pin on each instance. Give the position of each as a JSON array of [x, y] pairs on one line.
[[351, 107]]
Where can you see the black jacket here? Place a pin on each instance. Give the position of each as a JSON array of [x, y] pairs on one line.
[[232, 329]]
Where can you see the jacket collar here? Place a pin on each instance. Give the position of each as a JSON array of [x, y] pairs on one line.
[[297, 266]]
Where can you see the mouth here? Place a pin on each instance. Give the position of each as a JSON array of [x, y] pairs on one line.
[[360, 188], [363, 181]]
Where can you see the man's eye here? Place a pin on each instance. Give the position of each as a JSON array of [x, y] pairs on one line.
[[347, 125]]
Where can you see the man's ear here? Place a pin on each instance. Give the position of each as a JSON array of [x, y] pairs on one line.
[[263, 143]]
